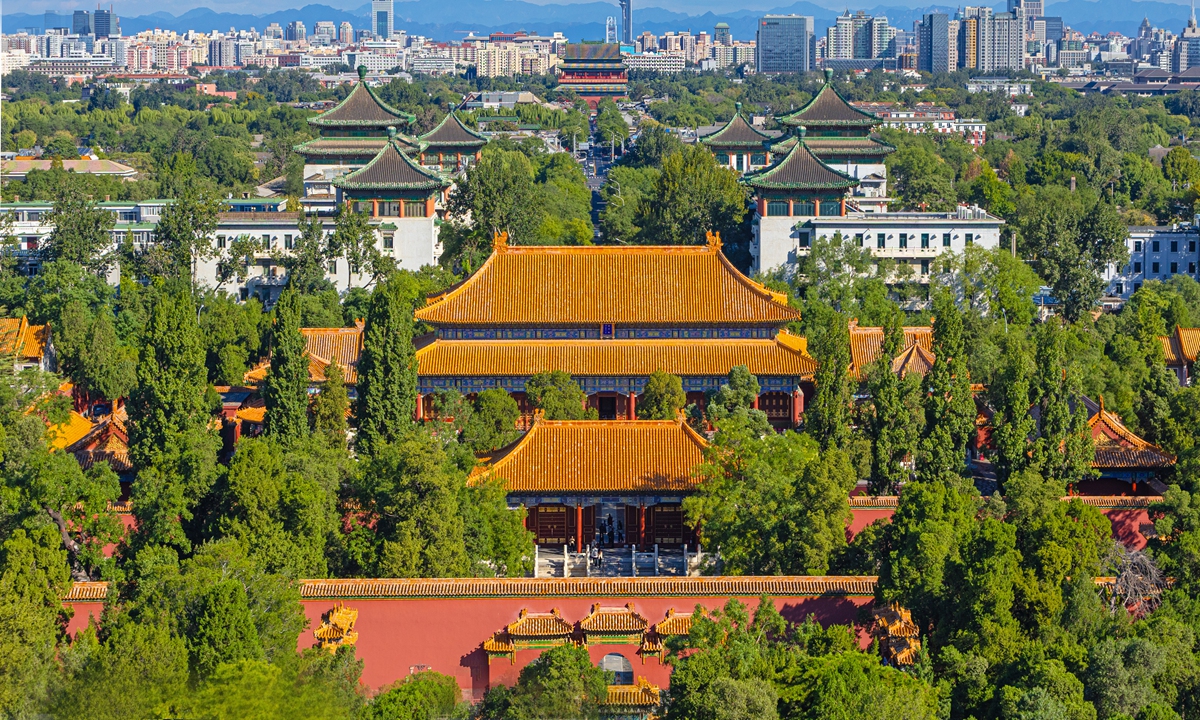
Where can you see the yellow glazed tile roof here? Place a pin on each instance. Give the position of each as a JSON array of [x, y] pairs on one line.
[[599, 456], [687, 587], [675, 623], [1118, 447], [640, 694], [1181, 347], [867, 342], [66, 434], [22, 340], [591, 285], [782, 355], [341, 345], [549, 624], [87, 591], [614, 619]]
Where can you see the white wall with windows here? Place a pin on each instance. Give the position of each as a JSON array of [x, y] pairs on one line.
[[1155, 253]]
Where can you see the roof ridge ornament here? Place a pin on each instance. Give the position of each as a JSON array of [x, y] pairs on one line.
[[828, 76], [713, 239], [500, 241], [362, 72]]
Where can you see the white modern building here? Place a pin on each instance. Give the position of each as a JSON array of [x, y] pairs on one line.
[[913, 238], [1155, 253]]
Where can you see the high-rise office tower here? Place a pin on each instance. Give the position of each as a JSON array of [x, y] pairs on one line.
[[81, 22], [295, 31], [785, 43], [345, 33], [721, 34], [382, 18], [102, 23], [627, 22], [933, 51], [610, 29]]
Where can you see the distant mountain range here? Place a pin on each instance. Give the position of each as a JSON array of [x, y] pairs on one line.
[[451, 19]]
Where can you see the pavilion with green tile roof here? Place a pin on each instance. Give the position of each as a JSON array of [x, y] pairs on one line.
[[392, 184], [451, 145], [800, 184], [739, 145]]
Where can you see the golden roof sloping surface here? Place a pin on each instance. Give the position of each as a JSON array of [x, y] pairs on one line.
[[640, 694], [591, 285], [614, 619], [675, 623], [23, 341], [341, 345], [599, 456], [598, 587], [1117, 447], [913, 359], [549, 624], [64, 435], [867, 342], [84, 591], [1181, 346], [781, 355]]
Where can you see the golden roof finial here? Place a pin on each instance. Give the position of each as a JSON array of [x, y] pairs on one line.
[[714, 240], [500, 240]]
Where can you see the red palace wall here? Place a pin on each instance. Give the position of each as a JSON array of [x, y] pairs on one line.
[[400, 635]]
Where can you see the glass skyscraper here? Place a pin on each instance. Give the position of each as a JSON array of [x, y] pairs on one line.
[[785, 43], [382, 19]]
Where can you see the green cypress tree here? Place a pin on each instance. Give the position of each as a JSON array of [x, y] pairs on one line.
[[894, 434], [286, 391], [1011, 395], [663, 397], [949, 407], [329, 409], [387, 373], [558, 396], [1064, 449], [172, 381], [222, 629], [828, 418]]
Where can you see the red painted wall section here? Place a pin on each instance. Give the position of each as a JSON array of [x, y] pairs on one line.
[[399, 636], [84, 611], [1128, 525], [862, 517]]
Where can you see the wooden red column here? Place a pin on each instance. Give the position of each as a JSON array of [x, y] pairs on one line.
[[756, 402], [642, 525], [632, 405], [797, 407], [578, 528]]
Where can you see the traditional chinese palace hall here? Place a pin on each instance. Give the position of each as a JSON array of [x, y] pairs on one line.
[[605, 483], [610, 316]]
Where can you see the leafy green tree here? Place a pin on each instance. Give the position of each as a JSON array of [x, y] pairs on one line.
[[828, 418], [662, 398], [1179, 166], [222, 629], [500, 195], [692, 196], [82, 232], [895, 421], [775, 504], [256, 689], [353, 240], [493, 421], [949, 405], [496, 539], [853, 684], [422, 695], [62, 147], [330, 407], [184, 233], [411, 489], [387, 372], [558, 396], [923, 179], [625, 189], [1063, 450], [108, 367], [654, 142], [33, 578], [1011, 396], [138, 669], [561, 683], [1070, 239], [170, 395], [307, 261], [282, 517], [286, 391]]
